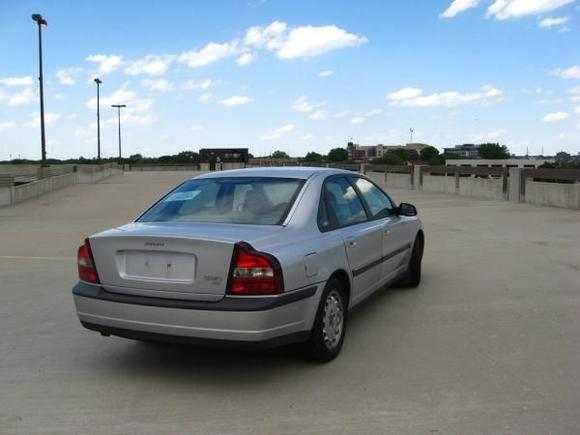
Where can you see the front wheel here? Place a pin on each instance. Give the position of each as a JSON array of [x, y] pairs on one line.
[[329, 327], [412, 277]]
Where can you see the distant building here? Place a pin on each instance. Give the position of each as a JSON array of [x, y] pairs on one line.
[[223, 155], [467, 150], [500, 163], [369, 152]]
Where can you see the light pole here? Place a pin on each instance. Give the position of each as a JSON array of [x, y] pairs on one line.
[[41, 21], [119, 106], [411, 131], [98, 82]]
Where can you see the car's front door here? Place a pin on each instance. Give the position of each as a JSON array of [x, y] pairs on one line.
[[344, 212], [395, 229]]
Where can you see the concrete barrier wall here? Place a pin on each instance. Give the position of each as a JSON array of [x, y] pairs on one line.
[[553, 194], [5, 196], [89, 177], [398, 181], [31, 190], [147, 168], [15, 194], [440, 184], [491, 188]]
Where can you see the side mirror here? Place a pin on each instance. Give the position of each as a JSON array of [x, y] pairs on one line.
[[406, 209]]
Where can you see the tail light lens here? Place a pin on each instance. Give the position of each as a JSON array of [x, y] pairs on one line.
[[86, 264], [254, 273]]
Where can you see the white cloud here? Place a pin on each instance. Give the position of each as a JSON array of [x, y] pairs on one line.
[[236, 100], [555, 117], [59, 96], [106, 64], [82, 132], [195, 86], [205, 97], [325, 73], [458, 6], [196, 127], [307, 136], [123, 95], [311, 41], [6, 125], [404, 94], [270, 37], [319, 114], [487, 136], [153, 65], [212, 52], [374, 112], [568, 73], [26, 96], [160, 85], [16, 81], [551, 22], [404, 97], [578, 110], [246, 59], [357, 120], [65, 75], [301, 42], [303, 104], [284, 41], [275, 134], [129, 118], [504, 9], [49, 118], [342, 114]]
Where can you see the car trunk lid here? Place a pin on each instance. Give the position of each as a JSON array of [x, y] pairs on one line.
[[180, 261]]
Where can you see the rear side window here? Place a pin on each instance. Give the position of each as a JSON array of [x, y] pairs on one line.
[[238, 200], [378, 202], [340, 205]]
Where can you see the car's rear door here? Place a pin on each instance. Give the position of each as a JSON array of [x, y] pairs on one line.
[[395, 229], [343, 211]]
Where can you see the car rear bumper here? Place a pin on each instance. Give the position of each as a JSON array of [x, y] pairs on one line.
[[251, 320]]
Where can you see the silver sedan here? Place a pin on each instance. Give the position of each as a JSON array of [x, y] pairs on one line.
[[250, 257]]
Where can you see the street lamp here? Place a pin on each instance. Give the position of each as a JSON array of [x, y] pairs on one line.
[[98, 82], [118, 106], [41, 21]]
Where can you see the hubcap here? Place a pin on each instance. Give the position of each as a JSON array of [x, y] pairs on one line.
[[333, 320]]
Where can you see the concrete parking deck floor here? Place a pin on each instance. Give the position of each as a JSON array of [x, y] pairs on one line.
[[489, 343]]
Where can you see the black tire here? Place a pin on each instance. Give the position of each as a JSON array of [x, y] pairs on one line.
[[322, 346], [412, 277]]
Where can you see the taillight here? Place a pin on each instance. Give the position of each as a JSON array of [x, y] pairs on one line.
[[254, 273], [86, 264]]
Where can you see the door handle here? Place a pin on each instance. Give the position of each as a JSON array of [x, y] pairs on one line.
[[351, 242], [387, 231]]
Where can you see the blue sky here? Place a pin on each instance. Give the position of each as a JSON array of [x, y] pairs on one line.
[[291, 75]]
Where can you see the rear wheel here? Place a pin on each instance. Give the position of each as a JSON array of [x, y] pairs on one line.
[[412, 277], [329, 327]]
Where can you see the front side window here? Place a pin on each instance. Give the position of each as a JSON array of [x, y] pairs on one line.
[[340, 205], [377, 201], [236, 200]]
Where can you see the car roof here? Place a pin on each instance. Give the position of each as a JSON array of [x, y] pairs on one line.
[[301, 172]]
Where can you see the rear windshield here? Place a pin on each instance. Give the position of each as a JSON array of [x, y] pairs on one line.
[[239, 200]]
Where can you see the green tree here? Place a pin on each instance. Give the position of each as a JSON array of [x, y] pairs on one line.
[[429, 153], [391, 157], [493, 151], [187, 157], [313, 157], [280, 155], [337, 155], [136, 158]]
